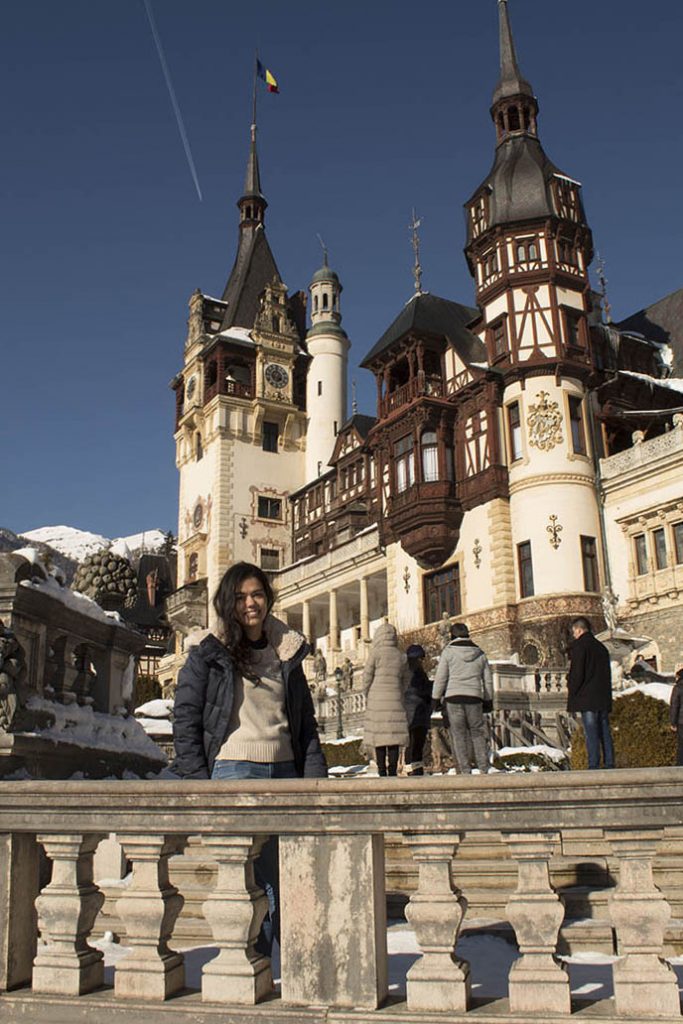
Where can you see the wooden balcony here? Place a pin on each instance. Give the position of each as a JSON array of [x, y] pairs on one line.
[[426, 519], [419, 386], [334, 961]]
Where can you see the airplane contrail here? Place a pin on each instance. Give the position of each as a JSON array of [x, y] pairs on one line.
[[171, 93]]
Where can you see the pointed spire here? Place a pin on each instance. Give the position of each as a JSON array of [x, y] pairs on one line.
[[252, 179], [511, 82]]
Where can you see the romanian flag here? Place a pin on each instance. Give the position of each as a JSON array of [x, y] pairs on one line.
[[267, 76]]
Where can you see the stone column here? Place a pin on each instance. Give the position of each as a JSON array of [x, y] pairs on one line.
[[643, 982], [334, 950], [439, 980], [364, 610], [306, 620], [334, 622], [67, 909], [538, 982], [18, 892], [234, 912], [149, 911]]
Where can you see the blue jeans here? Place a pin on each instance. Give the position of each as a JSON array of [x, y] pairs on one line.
[[598, 735], [266, 866]]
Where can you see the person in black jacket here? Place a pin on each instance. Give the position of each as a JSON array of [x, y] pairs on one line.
[[243, 708], [418, 702], [590, 692]]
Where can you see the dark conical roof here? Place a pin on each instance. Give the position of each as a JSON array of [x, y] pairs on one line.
[[431, 314], [511, 82]]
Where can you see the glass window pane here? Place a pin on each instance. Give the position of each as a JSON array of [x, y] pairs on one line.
[[678, 542], [660, 548], [641, 554]]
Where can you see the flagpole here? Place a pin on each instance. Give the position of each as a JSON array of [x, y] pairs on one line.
[[253, 107]]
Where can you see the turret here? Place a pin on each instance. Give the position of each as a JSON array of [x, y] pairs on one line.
[[328, 346]]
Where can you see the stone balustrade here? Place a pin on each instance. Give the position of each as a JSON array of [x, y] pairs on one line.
[[334, 947]]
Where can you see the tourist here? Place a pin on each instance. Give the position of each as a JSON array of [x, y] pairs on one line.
[[676, 713], [243, 708], [589, 686], [463, 677], [418, 701], [385, 679]]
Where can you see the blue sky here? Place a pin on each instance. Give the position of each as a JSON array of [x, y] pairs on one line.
[[383, 106]]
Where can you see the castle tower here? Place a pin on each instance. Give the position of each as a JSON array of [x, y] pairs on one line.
[[240, 410], [528, 248], [328, 346]]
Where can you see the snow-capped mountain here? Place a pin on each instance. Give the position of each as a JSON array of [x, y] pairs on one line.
[[78, 544]]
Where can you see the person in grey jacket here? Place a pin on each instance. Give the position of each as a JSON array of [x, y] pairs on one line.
[[463, 677]]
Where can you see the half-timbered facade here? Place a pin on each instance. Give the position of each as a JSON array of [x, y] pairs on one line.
[[484, 486]]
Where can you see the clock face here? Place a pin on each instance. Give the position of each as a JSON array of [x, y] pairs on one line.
[[277, 375], [191, 387]]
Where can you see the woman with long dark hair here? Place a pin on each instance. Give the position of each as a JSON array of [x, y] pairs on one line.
[[243, 708]]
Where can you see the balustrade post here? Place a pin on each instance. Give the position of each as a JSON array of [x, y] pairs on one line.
[[439, 980], [333, 920], [18, 893], [67, 909], [234, 912], [643, 982], [538, 982], [149, 910]]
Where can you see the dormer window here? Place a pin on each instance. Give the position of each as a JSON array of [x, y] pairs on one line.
[[479, 214]]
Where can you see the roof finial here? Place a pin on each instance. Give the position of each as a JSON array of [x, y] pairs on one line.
[[324, 249], [511, 82], [354, 400], [415, 241], [603, 289]]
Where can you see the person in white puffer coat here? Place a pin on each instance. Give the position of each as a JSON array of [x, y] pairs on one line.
[[463, 678]]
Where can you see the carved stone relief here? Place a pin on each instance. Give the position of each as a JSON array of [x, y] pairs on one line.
[[544, 423]]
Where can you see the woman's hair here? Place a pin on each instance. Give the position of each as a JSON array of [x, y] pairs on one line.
[[224, 605]]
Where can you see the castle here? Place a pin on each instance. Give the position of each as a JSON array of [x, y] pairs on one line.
[[524, 464]]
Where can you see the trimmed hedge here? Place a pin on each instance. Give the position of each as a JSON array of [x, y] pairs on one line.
[[641, 733], [344, 754]]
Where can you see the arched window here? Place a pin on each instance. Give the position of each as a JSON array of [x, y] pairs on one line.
[[193, 566], [513, 119], [533, 251], [404, 462], [430, 459], [315, 303], [326, 300], [199, 450], [521, 253], [276, 324]]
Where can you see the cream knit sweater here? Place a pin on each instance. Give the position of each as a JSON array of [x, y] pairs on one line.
[[259, 730]]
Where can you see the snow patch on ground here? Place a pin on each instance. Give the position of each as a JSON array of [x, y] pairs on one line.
[[552, 753], [156, 726], [660, 691], [154, 709], [490, 958]]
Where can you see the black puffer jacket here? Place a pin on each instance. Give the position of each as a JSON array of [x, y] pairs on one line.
[[589, 682], [418, 700], [204, 696]]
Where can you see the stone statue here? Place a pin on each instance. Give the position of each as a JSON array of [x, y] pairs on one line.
[[444, 630], [609, 609], [347, 675], [12, 675], [319, 666]]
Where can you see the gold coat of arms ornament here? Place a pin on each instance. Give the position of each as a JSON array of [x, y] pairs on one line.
[[544, 423]]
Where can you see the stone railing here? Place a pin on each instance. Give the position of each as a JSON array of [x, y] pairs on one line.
[[334, 960], [665, 446]]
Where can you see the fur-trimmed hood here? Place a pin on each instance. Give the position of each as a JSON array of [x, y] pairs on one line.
[[287, 643]]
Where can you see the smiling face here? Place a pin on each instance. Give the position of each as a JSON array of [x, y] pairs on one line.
[[251, 607]]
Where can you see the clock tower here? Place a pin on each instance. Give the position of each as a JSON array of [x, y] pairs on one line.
[[240, 412]]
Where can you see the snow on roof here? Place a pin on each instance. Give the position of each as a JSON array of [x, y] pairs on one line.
[[156, 726], [675, 383], [73, 599], [565, 177], [237, 334]]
